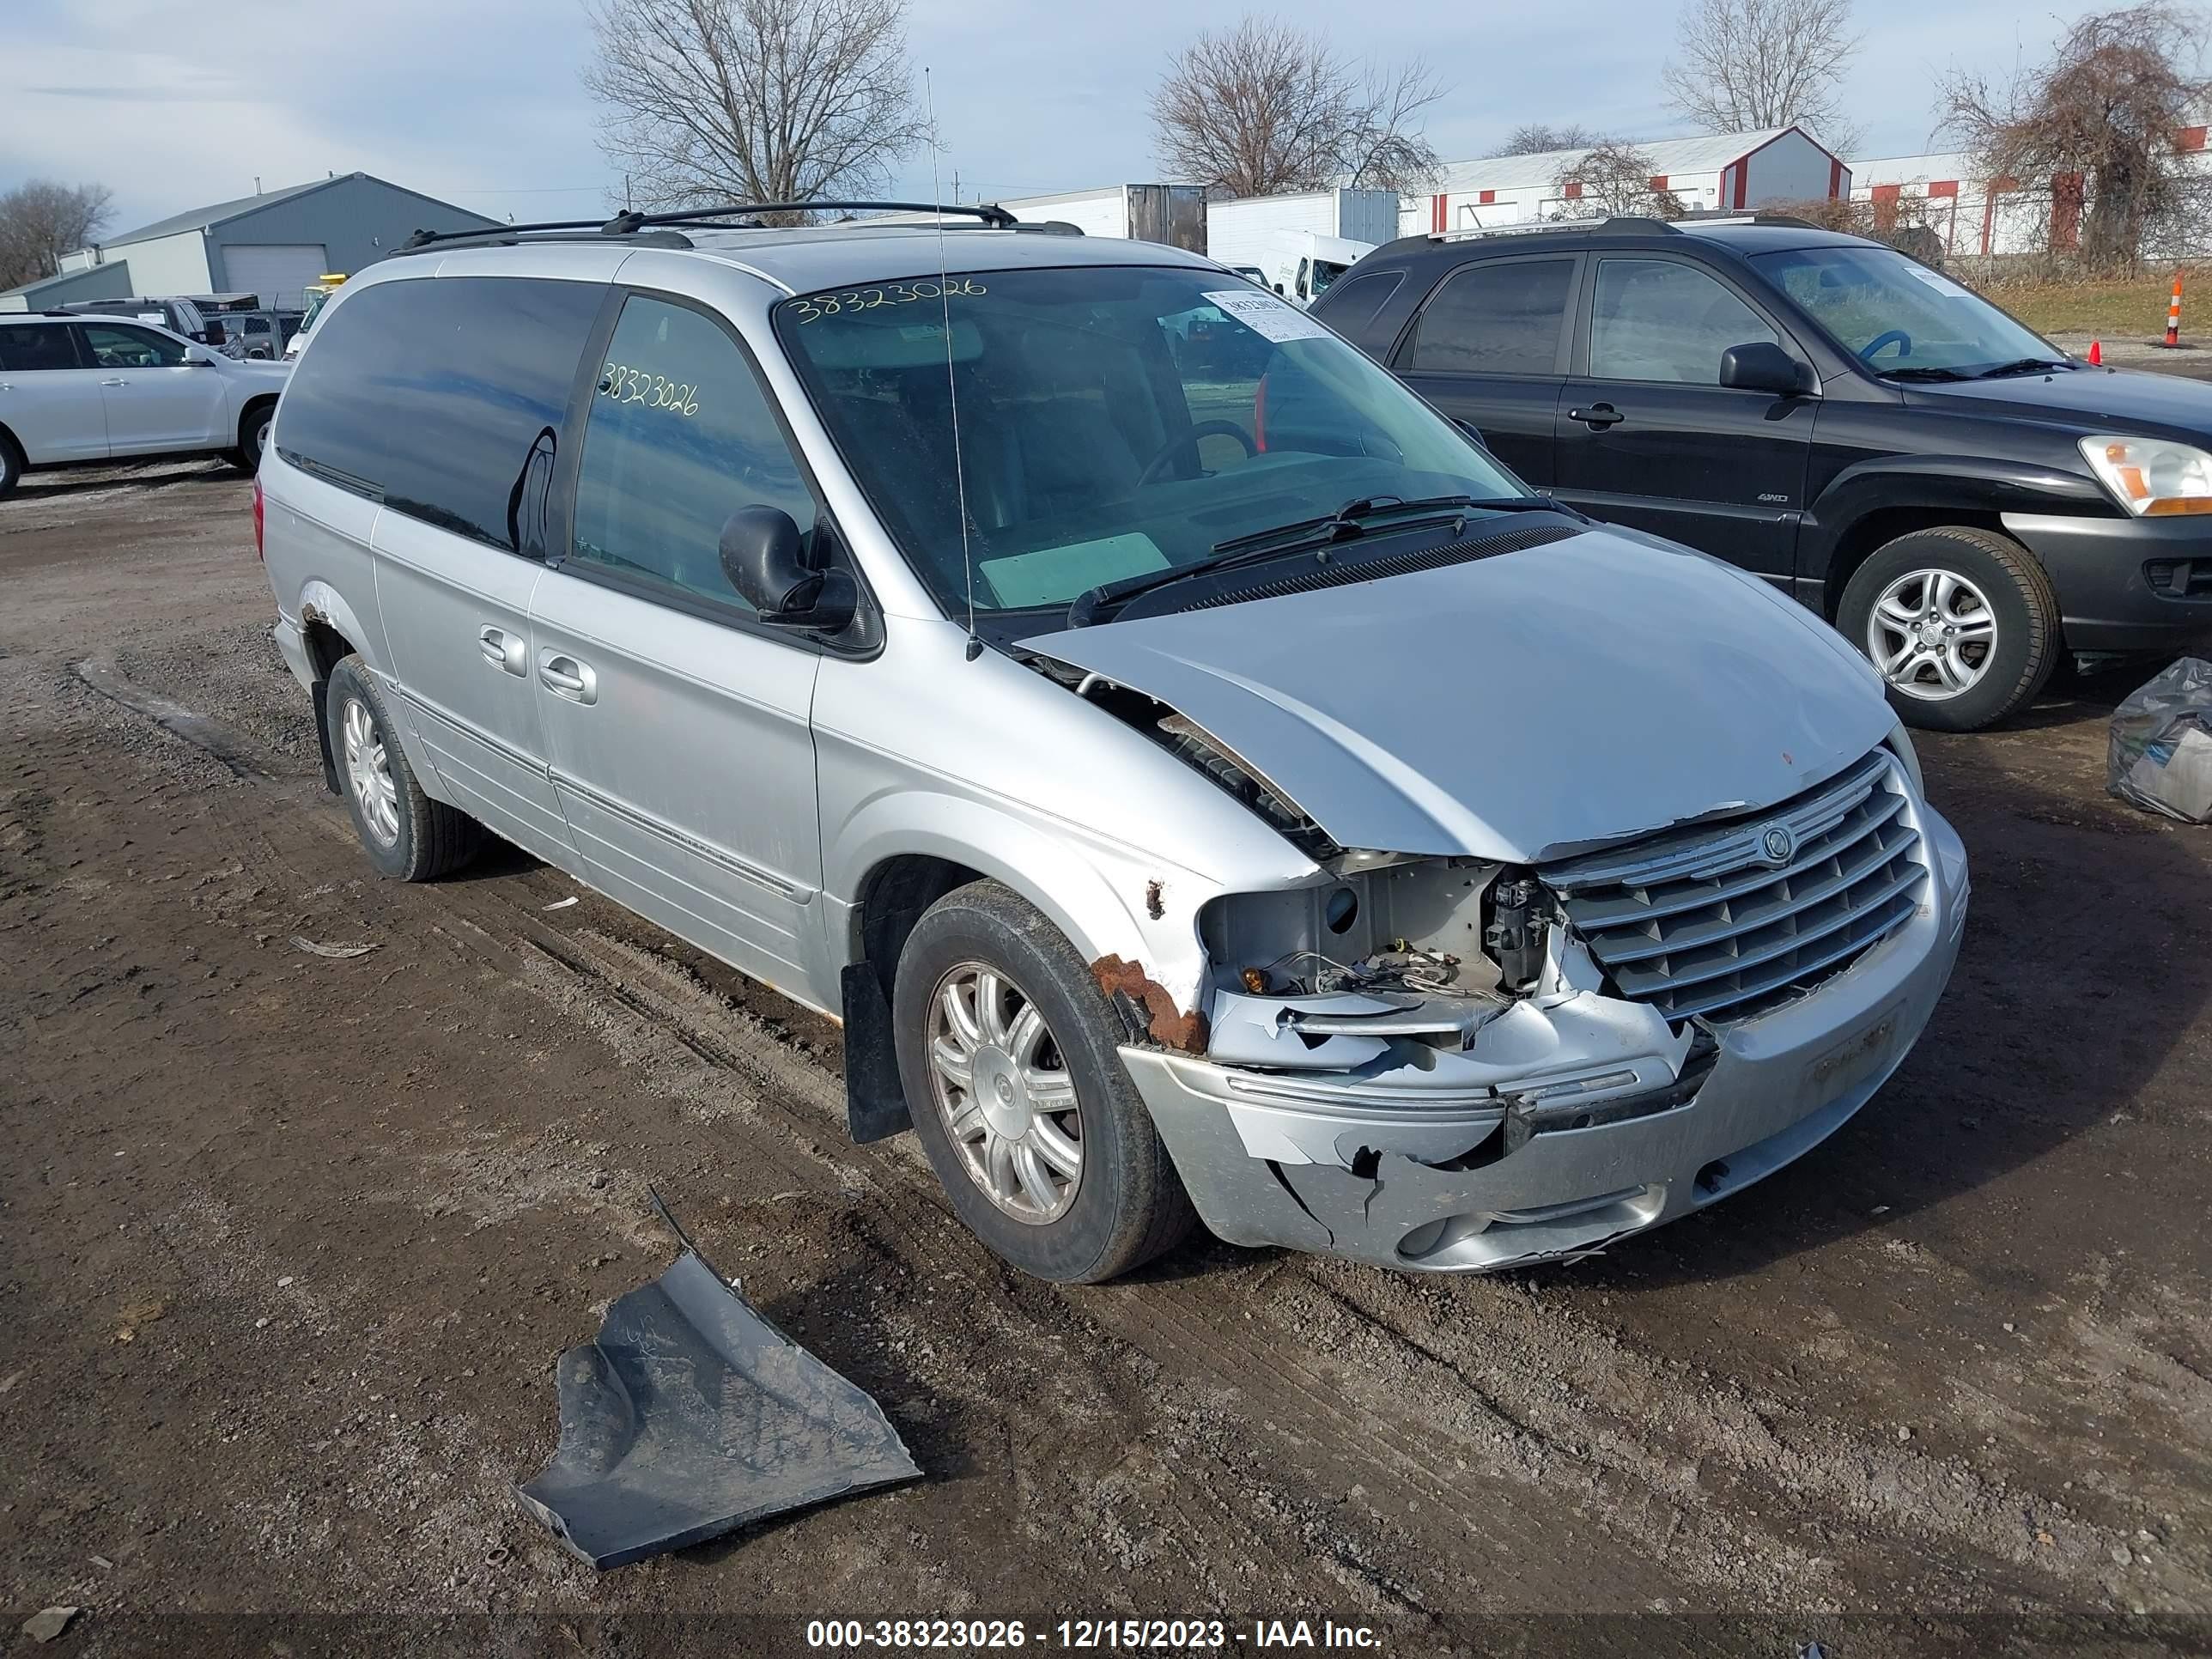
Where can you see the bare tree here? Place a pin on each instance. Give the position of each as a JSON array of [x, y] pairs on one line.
[[761, 100], [1747, 65], [1613, 176], [41, 220], [1264, 108], [2098, 121], [1536, 138]]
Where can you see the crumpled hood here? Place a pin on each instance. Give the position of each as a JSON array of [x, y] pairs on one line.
[[1520, 708]]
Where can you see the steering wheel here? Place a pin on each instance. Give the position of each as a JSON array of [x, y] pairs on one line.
[[1896, 336], [1188, 441]]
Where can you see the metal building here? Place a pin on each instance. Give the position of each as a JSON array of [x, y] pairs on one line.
[[1721, 171], [272, 245]]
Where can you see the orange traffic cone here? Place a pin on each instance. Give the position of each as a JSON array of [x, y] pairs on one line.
[[2096, 352]]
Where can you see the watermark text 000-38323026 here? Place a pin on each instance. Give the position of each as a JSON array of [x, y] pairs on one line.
[[1114, 1635]]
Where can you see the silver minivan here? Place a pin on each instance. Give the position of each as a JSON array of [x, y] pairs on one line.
[[1203, 781]]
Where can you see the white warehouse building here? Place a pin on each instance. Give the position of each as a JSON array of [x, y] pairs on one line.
[[1722, 172], [1944, 191]]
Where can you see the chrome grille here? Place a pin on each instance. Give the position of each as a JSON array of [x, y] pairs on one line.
[[1706, 922]]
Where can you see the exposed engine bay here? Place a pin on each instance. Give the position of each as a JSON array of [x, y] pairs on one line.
[[1444, 1001]]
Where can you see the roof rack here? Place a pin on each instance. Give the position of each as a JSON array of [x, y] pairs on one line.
[[1787, 221], [1614, 223], [650, 229]]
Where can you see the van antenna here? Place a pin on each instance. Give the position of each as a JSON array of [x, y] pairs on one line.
[[951, 380]]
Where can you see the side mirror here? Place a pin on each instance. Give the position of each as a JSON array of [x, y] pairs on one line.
[[1279, 288], [215, 335], [1762, 365], [1472, 432], [198, 356], [765, 559]]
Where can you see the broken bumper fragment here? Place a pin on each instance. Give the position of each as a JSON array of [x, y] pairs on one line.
[[692, 1414], [1557, 1130]]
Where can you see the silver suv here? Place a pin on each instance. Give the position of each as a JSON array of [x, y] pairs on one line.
[[1202, 781], [82, 390]]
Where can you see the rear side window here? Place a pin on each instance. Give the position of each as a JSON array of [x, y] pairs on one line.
[[40, 345], [435, 394], [679, 437], [1351, 307], [1505, 319], [1659, 319]]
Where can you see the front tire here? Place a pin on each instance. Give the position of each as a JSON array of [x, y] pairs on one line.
[[11, 466], [253, 436], [406, 834], [1009, 1057], [1961, 623]]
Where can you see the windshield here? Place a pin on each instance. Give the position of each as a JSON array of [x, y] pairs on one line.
[[315, 303], [1115, 421], [1895, 314]]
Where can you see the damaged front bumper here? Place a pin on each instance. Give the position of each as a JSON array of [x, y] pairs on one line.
[[1448, 1166]]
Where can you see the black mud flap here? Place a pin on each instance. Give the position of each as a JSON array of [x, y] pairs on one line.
[[692, 1415], [319, 693], [875, 1099]]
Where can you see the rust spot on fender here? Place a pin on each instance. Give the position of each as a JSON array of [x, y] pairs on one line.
[[1166, 1025]]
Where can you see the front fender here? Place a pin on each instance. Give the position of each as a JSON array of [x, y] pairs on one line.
[[1977, 484], [1099, 893]]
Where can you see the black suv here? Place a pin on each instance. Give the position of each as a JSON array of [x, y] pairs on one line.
[[1959, 497]]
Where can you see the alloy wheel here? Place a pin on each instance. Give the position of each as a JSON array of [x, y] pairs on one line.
[[1004, 1092], [368, 771], [1932, 635]]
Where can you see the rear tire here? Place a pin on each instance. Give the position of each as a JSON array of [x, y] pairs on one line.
[[1961, 623], [1047, 1152], [406, 834]]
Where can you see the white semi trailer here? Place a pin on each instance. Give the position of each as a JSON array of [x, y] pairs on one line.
[[1301, 243]]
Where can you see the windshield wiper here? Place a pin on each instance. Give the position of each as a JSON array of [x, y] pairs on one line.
[[2022, 366], [1920, 373], [1348, 521]]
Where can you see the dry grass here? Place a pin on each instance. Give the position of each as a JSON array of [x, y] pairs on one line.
[[2109, 307]]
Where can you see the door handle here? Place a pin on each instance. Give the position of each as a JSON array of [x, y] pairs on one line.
[[567, 678], [1597, 416], [116, 382], [503, 650]]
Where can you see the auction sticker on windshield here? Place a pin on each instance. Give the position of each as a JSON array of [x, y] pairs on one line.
[[1268, 317]]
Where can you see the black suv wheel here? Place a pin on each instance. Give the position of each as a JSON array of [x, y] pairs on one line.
[[1960, 622]]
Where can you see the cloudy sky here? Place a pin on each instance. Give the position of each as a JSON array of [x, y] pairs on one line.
[[173, 106]]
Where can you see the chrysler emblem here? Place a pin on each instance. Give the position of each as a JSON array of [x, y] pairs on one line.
[[1777, 844]]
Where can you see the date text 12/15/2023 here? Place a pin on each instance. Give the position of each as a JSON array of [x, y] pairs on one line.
[[1092, 1635]]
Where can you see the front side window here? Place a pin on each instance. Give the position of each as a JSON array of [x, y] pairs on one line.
[[1659, 319], [680, 436], [117, 345], [437, 395], [1112, 421], [1505, 319], [1894, 314], [37, 346]]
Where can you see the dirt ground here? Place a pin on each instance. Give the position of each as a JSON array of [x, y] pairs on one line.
[[289, 1245]]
